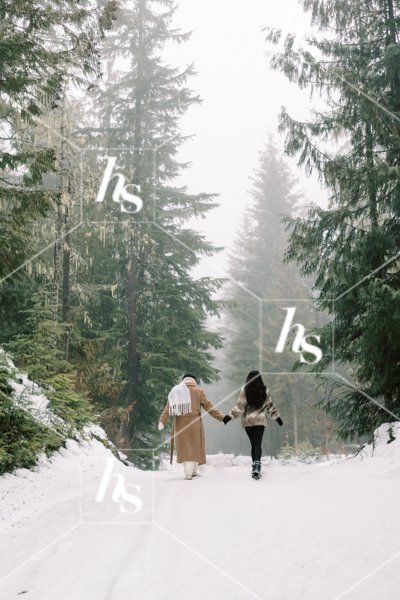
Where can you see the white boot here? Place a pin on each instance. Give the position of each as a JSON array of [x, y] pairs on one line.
[[188, 467], [196, 464]]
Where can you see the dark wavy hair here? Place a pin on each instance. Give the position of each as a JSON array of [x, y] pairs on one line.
[[255, 390], [190, 375]]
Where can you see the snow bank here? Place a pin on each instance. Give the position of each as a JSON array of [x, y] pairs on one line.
[[226, 461], [386, 444], [28, 395], [380, 459], [26, 494], [31, 399], [386, 447]]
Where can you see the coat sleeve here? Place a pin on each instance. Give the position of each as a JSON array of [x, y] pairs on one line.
[[240, 406], [165, 415], [270, 407], [206, 404]]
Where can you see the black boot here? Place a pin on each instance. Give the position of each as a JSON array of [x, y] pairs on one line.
[[256, 470]]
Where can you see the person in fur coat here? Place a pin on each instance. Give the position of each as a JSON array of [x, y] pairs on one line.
[[253, 403], [185, 402]]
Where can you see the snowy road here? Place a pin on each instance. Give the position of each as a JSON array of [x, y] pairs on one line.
[[299, 533]]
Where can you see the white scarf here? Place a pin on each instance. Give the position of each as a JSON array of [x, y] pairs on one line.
[[180, 402]]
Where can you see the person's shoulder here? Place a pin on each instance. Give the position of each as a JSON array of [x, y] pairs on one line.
[[242, 394], [200, 394]]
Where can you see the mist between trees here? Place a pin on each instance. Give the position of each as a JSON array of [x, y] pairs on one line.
[[97, 298]]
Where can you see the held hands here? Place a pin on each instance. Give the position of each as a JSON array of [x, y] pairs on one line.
[[160, 426], [226, 419], [279, 421]]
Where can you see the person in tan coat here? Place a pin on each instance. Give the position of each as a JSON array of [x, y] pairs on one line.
[[253, 404], [185, 402]]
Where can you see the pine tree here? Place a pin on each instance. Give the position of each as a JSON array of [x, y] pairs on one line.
[[23, 437], [257, 267], [351, 249], [243, 323], [16, 293], [257, 245], [42, 48], [156, 312], [35, 353]]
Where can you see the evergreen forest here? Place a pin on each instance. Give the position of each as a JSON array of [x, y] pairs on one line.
[[99, 302]]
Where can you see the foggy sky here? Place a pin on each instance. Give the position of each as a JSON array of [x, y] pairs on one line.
[[242, 98]]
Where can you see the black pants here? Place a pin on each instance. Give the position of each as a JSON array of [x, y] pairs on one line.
[[255, 434]]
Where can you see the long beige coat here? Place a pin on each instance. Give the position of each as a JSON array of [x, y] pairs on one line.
[[188, 430]]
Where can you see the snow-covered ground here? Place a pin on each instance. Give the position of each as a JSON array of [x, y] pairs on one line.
[[312, 532]]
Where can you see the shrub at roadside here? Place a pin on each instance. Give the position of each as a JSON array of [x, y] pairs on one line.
[[302, 452], [31, 423]]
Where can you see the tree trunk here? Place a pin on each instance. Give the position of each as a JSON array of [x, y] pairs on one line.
[[327, 445], [392, 24], [57, 273], [59, 227], [371, 179], [295, 438], [395, 84], [133, 359], [66, 288]]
